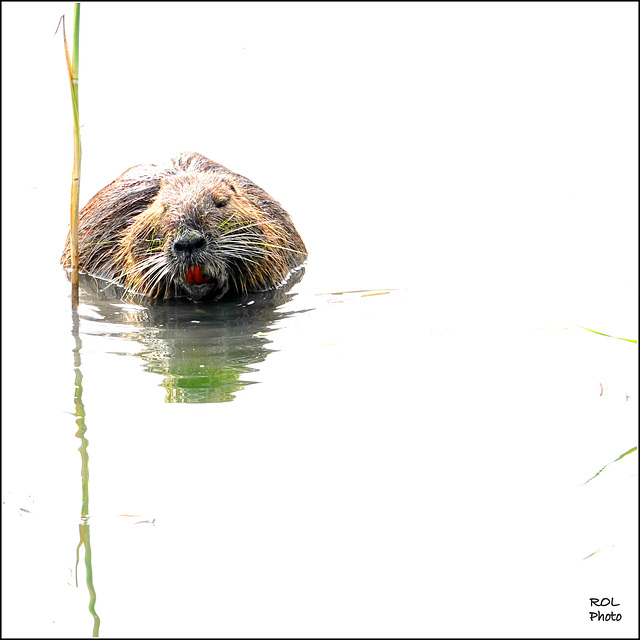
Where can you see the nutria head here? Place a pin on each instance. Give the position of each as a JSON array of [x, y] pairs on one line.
[[192, 228]]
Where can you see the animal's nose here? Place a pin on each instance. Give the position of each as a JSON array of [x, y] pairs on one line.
[[188, 243]]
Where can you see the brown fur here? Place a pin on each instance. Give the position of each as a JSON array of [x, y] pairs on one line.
[[189, 228]]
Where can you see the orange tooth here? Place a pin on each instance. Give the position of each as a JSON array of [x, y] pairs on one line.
[[194, 275]]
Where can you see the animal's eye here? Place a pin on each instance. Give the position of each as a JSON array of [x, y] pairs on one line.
[[221, 202]]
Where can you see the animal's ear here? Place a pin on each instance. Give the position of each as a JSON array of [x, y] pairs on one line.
[[228, 184]]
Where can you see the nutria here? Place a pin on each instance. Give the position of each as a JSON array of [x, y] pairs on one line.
[[189, 228]]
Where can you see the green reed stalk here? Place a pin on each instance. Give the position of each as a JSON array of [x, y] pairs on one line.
[[72, 67]]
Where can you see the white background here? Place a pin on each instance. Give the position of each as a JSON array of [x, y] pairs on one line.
[[482, 158]]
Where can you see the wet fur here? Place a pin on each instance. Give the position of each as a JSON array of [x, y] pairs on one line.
[[129, 232]]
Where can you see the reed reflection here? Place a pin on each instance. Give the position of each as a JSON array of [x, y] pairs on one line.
[[200, 350], [84, 527]]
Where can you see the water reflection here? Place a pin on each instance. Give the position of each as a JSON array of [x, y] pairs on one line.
[[84, 527], [200, 350]]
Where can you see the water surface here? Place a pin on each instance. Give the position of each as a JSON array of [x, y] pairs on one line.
[[405, 442]]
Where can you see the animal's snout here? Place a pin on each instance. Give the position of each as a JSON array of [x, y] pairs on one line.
[[187, 243]]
